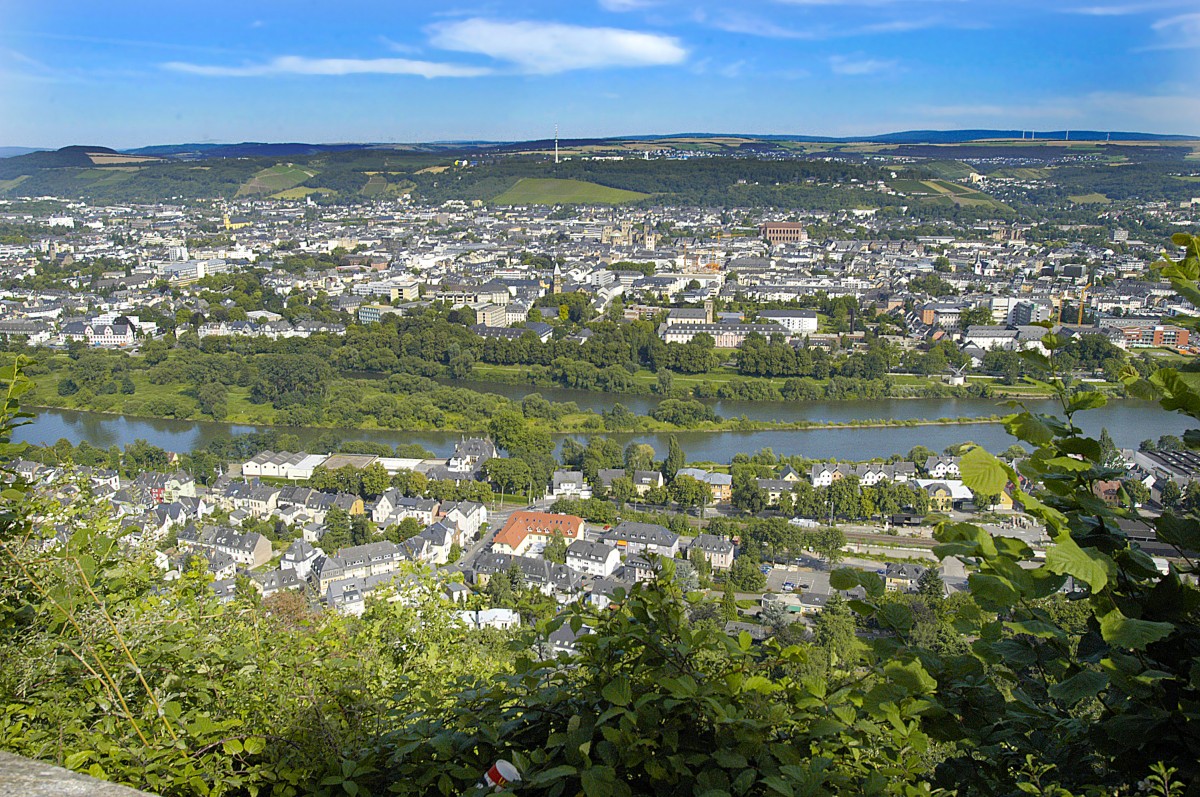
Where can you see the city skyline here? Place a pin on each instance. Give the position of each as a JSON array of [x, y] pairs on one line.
[[130, 74]]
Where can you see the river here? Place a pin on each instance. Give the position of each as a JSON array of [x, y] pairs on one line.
[[1129, 422]]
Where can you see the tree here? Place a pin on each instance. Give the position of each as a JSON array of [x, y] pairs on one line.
[[828, 544], [406, 529], [337, 530], [729, 609], [688, 492], [834, 632], [556, 550], [931, 588], [455, 553], [1108, 449], [701, 565], [746, 495], [745, 574], [375, 480], [775, 616], [1170, 494], [1138, 493], [639, 456], [212, 398], [675, 459], [622, 490], [508, 474], [919, 455], [362, 530]]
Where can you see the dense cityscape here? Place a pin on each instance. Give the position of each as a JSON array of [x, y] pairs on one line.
[[447, 414]]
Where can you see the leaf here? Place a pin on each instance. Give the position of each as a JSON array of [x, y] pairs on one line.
[[77, 759], [255, 745], [1178, 531], [994, 590], [1035, 628], [982, 472], [232, 747], [1069, 463], [547, 776], [911, 676], [617, 691], [1087, 683], [843, 578], [779, 786], [1088, 565], [598, 781], [1127, 632], [1087, 401], [728, 759], [896, 616], [1027, 427]]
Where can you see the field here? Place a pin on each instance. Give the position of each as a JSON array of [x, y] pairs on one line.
[[550, 191], [1089, 199], [299, 192], [957, 193], [277, 178], [1023, 173], [8, 185], [950, 170]]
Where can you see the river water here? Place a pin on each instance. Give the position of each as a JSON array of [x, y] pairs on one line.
[[1129, 422]]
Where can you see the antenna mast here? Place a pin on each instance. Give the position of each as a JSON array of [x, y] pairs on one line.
[[556, 143]]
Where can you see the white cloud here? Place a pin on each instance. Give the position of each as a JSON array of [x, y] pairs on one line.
[[1124, 9], [620, 6], [842, 65], [1181, 32], [299, 65], [551, 47]]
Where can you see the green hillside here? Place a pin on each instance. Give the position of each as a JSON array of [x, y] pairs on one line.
[[274, 179], [552, 191]]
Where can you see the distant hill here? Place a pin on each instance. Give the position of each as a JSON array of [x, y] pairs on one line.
[[9, 152], [248, 149], [255, 149], [75, 156], [931, 136]]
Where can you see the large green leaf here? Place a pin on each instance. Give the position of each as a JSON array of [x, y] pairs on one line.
[[1128, 632], [1088, 565], [993, 590], [617, 691], [982, 472], [911, 676], [1087, 683], [1029, 428], [1181, 531]]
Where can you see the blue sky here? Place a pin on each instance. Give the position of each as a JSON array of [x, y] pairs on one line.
[[126, 74]]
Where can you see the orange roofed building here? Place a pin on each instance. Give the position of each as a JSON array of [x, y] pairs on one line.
[[525, 530]]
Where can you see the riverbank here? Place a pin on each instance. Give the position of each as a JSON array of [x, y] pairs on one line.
[[651, 426]]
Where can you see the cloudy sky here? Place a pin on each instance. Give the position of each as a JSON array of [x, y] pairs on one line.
[[125, 74]]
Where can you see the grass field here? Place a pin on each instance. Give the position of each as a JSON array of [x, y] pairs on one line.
[[950, 170], [548, 191], [8, 185], [299, 192], [1089, 199], [279, 177], [1023, 173], [912, 187]]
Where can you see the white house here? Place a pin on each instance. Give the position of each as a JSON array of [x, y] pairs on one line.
[[799, 322], [569, 484], [943, 467], [593, 558]]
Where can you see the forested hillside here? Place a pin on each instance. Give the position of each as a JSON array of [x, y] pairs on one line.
[[829, 177]]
